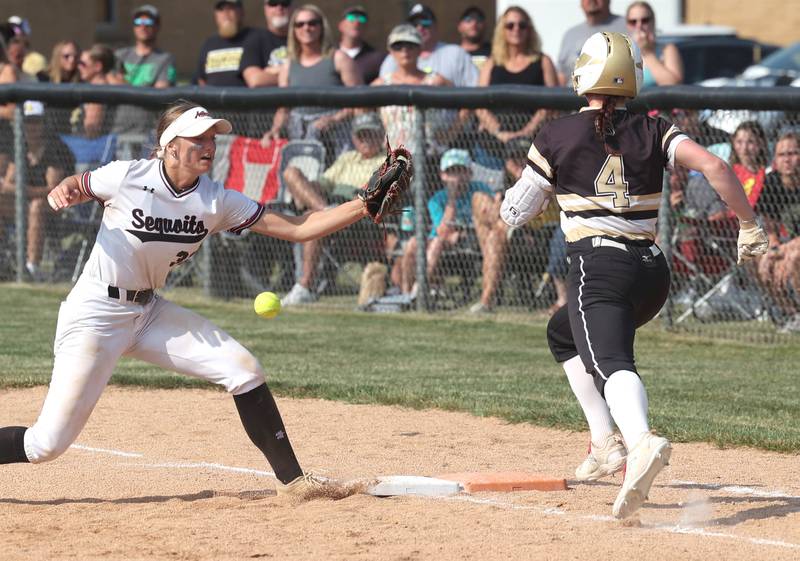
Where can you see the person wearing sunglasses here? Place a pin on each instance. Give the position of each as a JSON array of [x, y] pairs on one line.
[[517, 58], [598, 18], [471, 28], [448, 60], [143, 64], [314, 61], [663, 65], [265, 51], [352, 27]]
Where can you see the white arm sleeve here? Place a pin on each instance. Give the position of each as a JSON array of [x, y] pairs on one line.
[[527, 199]]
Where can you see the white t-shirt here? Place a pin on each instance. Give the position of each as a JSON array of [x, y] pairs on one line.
[[148, 227]]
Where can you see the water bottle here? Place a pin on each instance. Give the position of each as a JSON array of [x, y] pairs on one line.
[[407, 219]]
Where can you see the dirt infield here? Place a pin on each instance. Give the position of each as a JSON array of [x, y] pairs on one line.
[[169, 474]]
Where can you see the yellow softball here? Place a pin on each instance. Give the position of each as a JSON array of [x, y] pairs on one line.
[[267, 305]]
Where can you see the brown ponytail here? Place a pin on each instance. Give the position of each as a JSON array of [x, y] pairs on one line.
[[604, 120]]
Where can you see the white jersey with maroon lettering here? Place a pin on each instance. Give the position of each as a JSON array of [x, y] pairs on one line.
[[149, 227]]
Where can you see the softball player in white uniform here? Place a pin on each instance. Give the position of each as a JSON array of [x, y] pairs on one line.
[[157, 213]]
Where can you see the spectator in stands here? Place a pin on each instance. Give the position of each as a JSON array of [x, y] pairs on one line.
[[49, 161], [314, 62], [749, 157], [63, 66], [450, 61], [517, 58], [598, 18], [663, 65], [8, 75], [450, 213], [472, 28], [34, 64], [222, 54], [779, 205], [261, 63], [63, 69], [404, 43], [94, 66], [338, 184], [352, 28], [143, 65]]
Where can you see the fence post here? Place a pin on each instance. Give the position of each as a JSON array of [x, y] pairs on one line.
[[20, 199], [665, 237], [419, 206]]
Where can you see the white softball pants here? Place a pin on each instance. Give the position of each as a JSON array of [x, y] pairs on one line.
[[94, 331]]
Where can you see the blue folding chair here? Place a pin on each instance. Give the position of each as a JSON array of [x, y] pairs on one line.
[[91, 152]]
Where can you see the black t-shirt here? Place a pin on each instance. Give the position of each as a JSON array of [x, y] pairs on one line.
[[263, 49], [780, 204], [220, 60], [369, 61], [56, 155]]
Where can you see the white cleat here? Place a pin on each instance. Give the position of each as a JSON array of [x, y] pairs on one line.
[[645, 461], [298, 295], [603, 460]]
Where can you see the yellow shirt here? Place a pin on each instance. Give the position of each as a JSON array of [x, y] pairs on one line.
[[349, 172]]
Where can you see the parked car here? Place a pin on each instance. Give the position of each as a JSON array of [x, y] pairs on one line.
[[781, 68], [713, 51]]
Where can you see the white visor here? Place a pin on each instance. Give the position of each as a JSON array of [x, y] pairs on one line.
[[191, 123]]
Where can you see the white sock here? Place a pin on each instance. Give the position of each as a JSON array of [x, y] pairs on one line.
[[627, 400], [595, 408]]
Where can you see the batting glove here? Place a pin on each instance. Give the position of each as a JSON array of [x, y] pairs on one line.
[[753, 240]]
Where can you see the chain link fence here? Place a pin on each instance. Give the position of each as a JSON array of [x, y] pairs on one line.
[[448, 251]]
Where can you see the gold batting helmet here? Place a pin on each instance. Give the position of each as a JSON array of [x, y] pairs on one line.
[[610, 64]]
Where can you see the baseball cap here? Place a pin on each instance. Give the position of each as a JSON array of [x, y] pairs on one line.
[[219, 3], [147, 9], [20, 25], [367, 121], [32, 108], [474, 11], [455, 157], [404, 33], [191, 123], [420, 11], [355, 9]]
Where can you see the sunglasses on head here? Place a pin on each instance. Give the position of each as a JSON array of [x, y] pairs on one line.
[[308, 22], [281, 3], [360, 18], [644, 21], [423, 23], [400, 45], [147, 22], [521, 25]]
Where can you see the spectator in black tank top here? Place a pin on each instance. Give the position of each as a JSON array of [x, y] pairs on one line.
[[516, 59]]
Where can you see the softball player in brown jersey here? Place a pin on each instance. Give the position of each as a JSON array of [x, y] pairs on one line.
[[606, 167]]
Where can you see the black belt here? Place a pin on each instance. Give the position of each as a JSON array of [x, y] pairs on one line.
[[139, 296]]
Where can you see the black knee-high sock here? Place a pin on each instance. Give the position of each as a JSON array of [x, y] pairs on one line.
[[12, 446], [264, 426]]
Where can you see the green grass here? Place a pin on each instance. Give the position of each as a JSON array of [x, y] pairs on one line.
[[729, 394]]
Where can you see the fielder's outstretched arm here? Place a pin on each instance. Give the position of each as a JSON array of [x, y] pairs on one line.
[[66, 194], [316, 224]]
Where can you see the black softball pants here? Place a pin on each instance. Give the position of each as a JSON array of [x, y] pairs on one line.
[[613, 287]]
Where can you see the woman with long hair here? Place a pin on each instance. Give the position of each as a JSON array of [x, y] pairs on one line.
[[517, 58], [157, 213], [663, 65], [64, 62], [313, 61], [749, 158], [606, 168]]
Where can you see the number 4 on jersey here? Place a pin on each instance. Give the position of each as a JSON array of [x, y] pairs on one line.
[[611, 181]]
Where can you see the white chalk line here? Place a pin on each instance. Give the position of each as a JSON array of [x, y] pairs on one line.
[[107, 451], [549, 511], [738, 490]]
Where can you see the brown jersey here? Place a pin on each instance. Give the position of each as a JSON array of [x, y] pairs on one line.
[[614, 192]]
